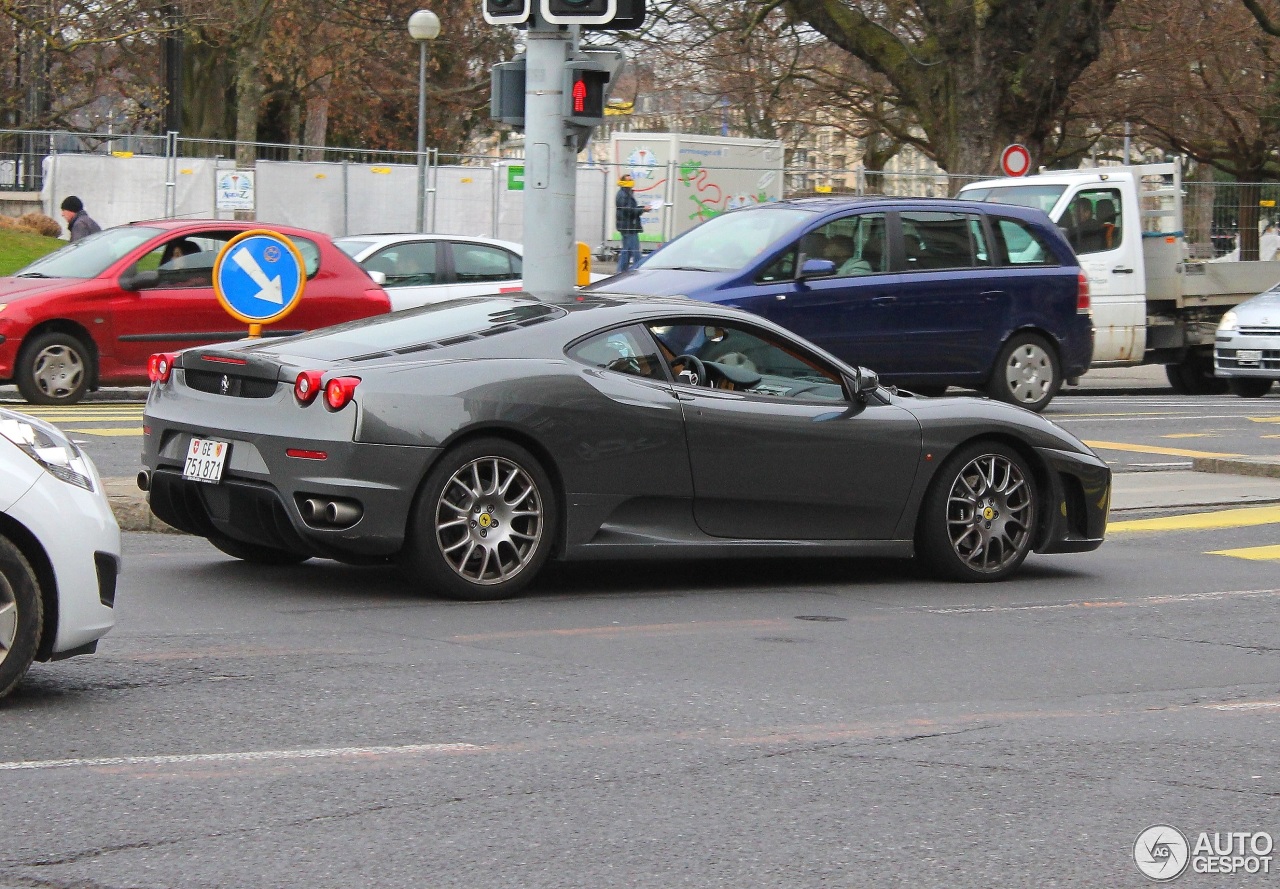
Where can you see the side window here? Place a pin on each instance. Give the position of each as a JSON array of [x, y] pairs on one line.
[[627, 351], [185, 262], [781, 269], [479, 263], [411, 264], [937, 240], [1093, 223], [310, 255], [744, 360], [1022, 244]]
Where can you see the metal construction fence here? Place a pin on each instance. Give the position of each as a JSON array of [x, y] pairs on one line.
[[123, 178]]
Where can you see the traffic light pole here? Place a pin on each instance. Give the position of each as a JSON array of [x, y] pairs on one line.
[[550, 183]]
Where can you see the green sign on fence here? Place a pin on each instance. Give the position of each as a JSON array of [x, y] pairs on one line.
[[515, 178]]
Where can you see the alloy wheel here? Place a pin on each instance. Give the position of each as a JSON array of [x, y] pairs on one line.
[[8, 618], [489, 519], [990, 510]]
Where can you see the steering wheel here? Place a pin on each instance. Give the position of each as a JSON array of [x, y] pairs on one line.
[[694, 367]]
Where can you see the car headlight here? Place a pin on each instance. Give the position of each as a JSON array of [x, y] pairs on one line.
[[1230, 323], [48, 447]]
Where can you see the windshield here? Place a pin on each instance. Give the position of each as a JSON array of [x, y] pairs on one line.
[[729, 242], [91, 256], [1037, 196], [353, 246]]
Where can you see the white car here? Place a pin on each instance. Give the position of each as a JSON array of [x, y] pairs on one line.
[[59, 549], [428, 268]]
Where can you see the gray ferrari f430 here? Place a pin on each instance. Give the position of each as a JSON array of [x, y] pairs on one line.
[[470, 441]]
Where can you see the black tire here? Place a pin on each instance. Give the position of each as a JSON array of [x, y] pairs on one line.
[[448, 547], [1027, 373], [978, 519], [256, 552], [1194, 376], [1248, 387], [21, 615], [54, 368], [1177, 379]]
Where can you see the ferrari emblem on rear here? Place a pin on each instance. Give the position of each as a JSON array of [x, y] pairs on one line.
[[225, 386]]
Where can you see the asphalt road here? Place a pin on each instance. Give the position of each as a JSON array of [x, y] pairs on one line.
[[844, 723]]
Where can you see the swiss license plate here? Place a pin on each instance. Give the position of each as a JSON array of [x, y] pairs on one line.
[[205, 459], [1249, 356]]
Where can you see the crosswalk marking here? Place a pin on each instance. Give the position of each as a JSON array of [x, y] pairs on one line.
[[1151, 449], [1252, 553], [113, 431], [1243, 517]]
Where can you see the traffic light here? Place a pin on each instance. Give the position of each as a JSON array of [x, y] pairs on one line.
[[586, 88], [577, 12], [506, 12], [506, 97]]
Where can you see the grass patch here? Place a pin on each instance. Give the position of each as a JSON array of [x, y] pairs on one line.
[[19, 248]]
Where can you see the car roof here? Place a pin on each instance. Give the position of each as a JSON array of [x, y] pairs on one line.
[[824, 204], [381, 239], [227, 225]]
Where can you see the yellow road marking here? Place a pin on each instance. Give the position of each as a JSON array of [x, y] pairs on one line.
[[1253, 553], [1264, 419], [1150, 449], [1244, 517], [119, 430], [1191, 435]]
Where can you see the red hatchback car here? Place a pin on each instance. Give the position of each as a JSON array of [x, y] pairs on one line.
[[92, 313]]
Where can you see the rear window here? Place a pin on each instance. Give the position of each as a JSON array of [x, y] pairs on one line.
[[429, 327], [1022, 245]]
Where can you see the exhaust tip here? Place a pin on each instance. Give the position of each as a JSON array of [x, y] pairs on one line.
[[144, 480]]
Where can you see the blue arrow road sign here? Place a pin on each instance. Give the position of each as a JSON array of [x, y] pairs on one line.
[[259, 276]]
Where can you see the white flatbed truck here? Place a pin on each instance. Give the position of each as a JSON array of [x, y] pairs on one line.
[[1151, 303]]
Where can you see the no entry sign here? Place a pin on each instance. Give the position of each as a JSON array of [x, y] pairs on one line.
[[1015, 160]]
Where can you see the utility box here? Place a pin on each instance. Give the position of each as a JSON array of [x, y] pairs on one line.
[[682, 180]]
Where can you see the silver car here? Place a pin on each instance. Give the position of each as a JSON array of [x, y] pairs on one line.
[[1246, 349], [429, 268]]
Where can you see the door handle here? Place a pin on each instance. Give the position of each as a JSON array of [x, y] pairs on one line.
[[1120, 270], [883, 300], [992, 295]]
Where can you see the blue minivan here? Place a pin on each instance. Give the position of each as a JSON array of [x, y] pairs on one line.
[[928, 292]]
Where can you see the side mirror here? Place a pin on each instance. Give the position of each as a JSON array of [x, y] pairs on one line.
[[817, 268], [379, 278], [133, 280], [865, 382]]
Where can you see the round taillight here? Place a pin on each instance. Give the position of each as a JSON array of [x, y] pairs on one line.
[[160, 367], [307, 386], [339, 391]]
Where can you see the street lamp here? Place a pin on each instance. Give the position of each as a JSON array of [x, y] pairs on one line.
[[424, 26]]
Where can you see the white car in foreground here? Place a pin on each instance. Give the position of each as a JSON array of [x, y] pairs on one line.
[[59, 549]]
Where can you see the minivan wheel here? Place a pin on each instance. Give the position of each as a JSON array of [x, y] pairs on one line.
[[54, 368], [21, 615], [1248, 387], [1027, 373]]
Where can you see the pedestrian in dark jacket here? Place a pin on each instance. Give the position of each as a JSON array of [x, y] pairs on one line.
[[79, 223], [628, 212]]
